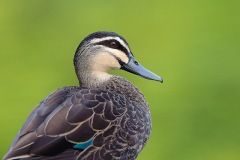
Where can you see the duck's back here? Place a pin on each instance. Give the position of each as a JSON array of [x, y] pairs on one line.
[[111, 121]]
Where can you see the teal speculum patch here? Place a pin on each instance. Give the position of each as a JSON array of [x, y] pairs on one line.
[[83, 145]]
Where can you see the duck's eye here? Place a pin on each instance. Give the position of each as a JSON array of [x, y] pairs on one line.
[[113, 44]]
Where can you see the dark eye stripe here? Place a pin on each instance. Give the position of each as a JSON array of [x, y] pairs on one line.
[[119, 46]]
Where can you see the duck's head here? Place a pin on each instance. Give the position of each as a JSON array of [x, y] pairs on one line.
[[100, 52]]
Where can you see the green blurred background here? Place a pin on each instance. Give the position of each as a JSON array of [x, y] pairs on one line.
[[193, 45]]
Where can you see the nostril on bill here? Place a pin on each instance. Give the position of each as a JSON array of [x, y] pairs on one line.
[[136, 62]]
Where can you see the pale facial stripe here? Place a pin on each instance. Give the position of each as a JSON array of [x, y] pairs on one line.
[[122, 56], [96, 40]]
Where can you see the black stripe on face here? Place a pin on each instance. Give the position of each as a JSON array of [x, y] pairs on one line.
[[114, 44]]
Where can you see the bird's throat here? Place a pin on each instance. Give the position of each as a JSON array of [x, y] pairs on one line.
[[95, 79]]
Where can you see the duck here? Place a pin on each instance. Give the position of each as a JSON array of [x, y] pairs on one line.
[[106, 117]]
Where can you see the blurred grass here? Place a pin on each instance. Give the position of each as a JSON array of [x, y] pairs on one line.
[[193, 45]]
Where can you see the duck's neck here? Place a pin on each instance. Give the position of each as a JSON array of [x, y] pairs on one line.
[[121, 86], [94, 79]]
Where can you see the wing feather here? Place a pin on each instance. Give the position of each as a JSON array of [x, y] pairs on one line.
[[66, 117]]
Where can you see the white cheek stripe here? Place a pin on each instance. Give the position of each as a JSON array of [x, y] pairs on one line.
[[108, 38], [122, 56]]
